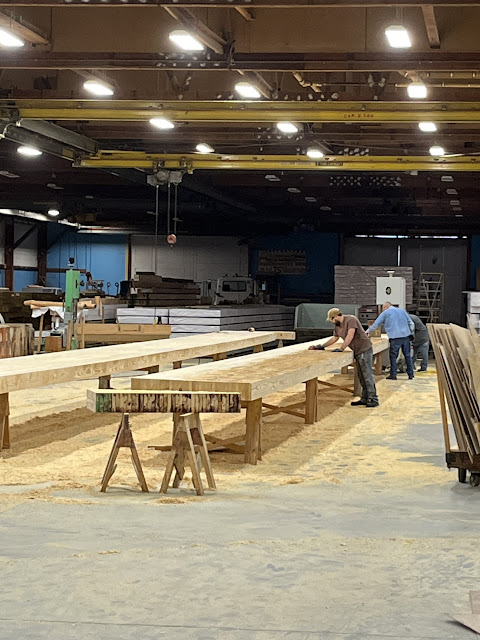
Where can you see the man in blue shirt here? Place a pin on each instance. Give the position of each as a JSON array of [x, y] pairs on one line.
[[400, 329]]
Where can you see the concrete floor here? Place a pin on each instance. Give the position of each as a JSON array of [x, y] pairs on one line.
[[345, 561]]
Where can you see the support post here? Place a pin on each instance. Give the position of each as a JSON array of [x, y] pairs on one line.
[[42, 249], [9, 242], [258, 348], [4, 422], [311, 401], [253, 432]]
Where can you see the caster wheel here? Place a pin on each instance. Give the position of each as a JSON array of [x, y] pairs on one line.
[[462, 475], [475, 479]]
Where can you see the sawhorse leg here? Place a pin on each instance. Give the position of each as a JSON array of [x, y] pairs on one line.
[[124, 438], [4, 421], [253, 436], [311, 401]]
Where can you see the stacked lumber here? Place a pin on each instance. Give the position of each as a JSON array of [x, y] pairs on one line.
[[155, 291], [16, 340], [457, 355], [358, 285], [13, 309]]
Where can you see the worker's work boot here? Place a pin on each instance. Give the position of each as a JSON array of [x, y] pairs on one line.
[[391, 377], [372, 403], [358, 403]]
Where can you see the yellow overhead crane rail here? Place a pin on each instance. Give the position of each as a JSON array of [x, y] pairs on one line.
[[214, 161], [235, 111]]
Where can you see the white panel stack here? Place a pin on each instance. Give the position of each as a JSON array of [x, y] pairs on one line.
[[473, 315], [194, 320], [110, 311]]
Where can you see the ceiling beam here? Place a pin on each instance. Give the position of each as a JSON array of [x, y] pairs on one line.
[[243, 111], [428, 11], [192, 162], [245, 13], [430, 61], [22, 29], [228, 4]]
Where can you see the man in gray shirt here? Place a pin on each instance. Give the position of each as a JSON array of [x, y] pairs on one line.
[[420, 342]]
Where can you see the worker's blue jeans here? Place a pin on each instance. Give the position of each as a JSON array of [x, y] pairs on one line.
[[420, 351], [395, 345]]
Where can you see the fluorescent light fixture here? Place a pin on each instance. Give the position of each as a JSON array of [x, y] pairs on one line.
[[326, 208], [203, 147], [310, 199], [272, 178], [398, 37], [161, 123], [436, 150], [8, 174], [293, 190], [30, 152], [452, 192], [459, 215], [446, 178], [98, 88], [314, 153], [7, 39], [287, 127], [185, 40], [455, 203], [247, 90], [456, 208], [53, 212], [427, 127], [417, 90], [52, 185]]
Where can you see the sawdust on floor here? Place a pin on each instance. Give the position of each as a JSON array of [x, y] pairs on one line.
[[56, 440]]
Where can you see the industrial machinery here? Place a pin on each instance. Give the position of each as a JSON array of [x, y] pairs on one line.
[[392, 289], [231, 290], [72, 296], [93, 287]]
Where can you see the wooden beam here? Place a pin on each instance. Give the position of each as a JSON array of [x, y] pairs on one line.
[[110, 401], [23, 237], [245, 13], [22, 29], [431, 26]]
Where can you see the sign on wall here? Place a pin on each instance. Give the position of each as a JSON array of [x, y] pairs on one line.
[[287, 262]]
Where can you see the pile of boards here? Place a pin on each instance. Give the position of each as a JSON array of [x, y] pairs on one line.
[[16, 340], [457, 355], [155, 291]]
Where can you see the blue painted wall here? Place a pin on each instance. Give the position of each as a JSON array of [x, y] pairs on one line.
[[102, 254], [474, 259], [22, 278], [323, 253]]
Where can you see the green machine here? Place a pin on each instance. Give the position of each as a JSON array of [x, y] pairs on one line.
[[72, 296]]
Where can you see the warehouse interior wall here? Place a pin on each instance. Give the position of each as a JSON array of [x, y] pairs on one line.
[[474, 261], [322, 253], [195, 258], [425, 255], [104, 255]]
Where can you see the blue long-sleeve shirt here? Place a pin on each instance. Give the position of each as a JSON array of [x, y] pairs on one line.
[[397, 323]]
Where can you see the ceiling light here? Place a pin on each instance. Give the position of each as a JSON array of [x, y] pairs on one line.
[[314, 153], [446, 178], [325, 208], [427, 127], [310, 199], [8, 174], [436, 150], [417, 90], [272, 178], [7, 39], [52, 185], [247, 90], [29, 151], [161, 123], [185, 40], [454, 203], [203, 147], [98, 88], [287, 127], [293, 190], [398, 37], [53, 212], [459, 215], [452, 192], [456, 208]]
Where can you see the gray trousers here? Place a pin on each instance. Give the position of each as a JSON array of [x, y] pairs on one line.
[[365, 375]]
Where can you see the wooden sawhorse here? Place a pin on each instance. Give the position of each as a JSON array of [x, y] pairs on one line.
[[188, 442]]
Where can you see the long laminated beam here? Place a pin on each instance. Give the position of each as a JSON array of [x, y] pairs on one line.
[[192, 162], [162, 402], [238, 111], [28, 372], [228, 4]]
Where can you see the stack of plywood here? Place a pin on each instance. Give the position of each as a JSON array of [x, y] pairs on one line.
[[153, 290], [358, 285], [16, 340], [457, 355], [142, 315]]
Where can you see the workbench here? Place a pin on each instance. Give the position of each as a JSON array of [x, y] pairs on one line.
[[101, 362], [255, 377]]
